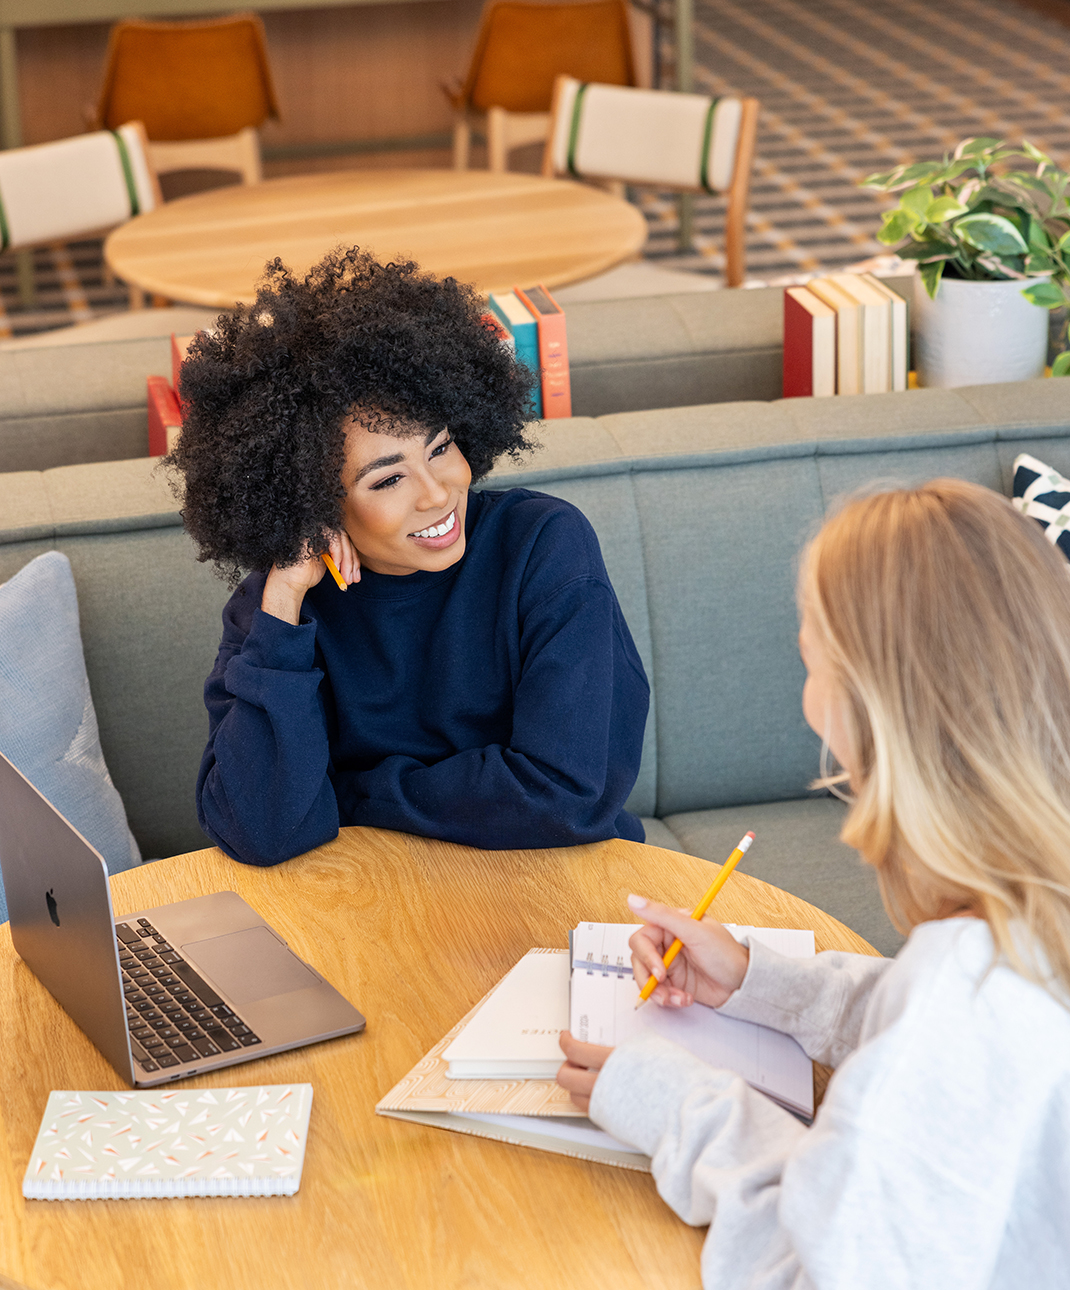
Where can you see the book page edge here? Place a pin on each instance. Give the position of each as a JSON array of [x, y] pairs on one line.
[[559, 1146]]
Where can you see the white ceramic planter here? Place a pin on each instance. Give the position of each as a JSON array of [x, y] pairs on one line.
[[976, 333]]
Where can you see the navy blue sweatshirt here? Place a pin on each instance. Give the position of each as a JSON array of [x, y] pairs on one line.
[[499, 703]]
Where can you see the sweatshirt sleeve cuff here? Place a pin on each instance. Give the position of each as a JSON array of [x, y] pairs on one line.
[[639, 1091], [765, 987], [279, 646]]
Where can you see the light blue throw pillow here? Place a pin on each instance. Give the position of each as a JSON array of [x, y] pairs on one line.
[[48, 727]]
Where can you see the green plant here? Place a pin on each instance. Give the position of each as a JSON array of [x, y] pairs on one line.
[[973, 216]]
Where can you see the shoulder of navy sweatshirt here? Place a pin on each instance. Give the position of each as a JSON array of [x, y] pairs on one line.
[[499, 703]]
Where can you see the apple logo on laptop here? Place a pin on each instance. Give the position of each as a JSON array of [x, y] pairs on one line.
[[50, 901]]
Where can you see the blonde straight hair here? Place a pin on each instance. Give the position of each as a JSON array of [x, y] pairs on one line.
[[945, 617]]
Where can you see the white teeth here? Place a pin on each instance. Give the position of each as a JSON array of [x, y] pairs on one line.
[[439, 530]]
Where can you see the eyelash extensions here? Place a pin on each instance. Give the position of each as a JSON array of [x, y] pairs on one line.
[[391, 480]]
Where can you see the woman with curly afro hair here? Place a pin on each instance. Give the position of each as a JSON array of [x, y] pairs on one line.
[[473, 679]]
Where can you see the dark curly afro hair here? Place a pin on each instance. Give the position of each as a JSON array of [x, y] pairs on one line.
[[266, 395]]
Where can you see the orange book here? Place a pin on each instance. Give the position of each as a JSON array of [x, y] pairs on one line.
[[165, 416], [553, 351], [179, 346]]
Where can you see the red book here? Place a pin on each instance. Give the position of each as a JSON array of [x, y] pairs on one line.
[[165, 416], [809, 345], [500, 330], [553, 351]]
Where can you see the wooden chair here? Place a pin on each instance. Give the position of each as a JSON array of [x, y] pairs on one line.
[[520, 49], [202, 89], [78, 187], [686, 142]]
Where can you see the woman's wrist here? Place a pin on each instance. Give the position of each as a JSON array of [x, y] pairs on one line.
[[281, 599]]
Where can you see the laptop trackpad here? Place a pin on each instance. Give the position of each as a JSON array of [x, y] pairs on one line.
[[250, 965]]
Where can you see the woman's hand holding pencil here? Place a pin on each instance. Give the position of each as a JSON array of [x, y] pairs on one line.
[[677, 959], [710, 967], [284, 591]]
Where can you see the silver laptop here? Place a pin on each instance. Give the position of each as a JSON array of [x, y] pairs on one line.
[[164, 993]]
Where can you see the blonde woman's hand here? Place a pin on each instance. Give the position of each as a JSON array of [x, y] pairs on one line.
[[284, 590], [580, 1070], [707, 970]]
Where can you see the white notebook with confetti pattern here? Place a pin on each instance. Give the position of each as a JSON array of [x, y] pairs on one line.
[[170, 1142]]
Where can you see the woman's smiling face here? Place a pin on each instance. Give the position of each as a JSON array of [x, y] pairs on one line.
[[406, 498]]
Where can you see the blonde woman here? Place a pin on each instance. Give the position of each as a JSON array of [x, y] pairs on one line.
[[936, 637]]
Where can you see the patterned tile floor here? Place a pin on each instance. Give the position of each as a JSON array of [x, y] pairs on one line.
[[851, 88], [846, 87]]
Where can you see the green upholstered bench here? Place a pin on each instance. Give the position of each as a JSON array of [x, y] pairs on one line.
[[701, 512]]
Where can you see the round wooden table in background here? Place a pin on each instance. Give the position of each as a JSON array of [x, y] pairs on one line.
[[495, 231], [414, 932]]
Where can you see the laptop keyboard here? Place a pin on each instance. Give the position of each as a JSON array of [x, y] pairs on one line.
[[175, 1017]]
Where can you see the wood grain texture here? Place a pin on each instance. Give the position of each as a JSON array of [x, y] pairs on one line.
[[493, 230], [343, 71], [414, 932]]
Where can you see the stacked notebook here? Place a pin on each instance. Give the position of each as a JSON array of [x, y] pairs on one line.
[[493, 1074], [846, 333]]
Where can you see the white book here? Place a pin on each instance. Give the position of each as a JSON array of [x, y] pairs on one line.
[[514, 1035], [848, 333], [162, 1143], [876, 331], [900, 331]]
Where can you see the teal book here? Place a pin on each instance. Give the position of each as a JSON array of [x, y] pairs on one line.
[[524, 328]]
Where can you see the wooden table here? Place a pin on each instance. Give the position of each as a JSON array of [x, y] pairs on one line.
[[414, 932], [495, 231]]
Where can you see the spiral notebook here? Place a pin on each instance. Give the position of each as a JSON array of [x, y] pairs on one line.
[[172, 1142]]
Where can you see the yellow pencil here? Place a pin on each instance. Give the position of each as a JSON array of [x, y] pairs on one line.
[[334, 570], [700, 910]]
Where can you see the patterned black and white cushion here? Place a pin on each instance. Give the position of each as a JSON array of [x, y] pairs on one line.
[[1044, 495]]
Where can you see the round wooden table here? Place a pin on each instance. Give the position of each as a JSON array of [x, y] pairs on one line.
[[496, 231], [414, 932]]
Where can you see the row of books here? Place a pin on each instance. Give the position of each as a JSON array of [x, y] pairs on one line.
[[535, 323], [846, 333], [530, 322]]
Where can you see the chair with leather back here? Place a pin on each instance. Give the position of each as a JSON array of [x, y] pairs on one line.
[[202, 89], [688, 143], [520, 49], [55, 192]]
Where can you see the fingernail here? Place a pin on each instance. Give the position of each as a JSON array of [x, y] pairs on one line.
[[637, 902]]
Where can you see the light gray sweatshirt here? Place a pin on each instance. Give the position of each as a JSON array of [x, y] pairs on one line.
[[940, 1156]]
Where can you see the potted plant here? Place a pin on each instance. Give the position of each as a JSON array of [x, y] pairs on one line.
[[992, 244]]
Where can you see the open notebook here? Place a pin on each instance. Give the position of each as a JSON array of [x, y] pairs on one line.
[[516, 1027], [604, 994]]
